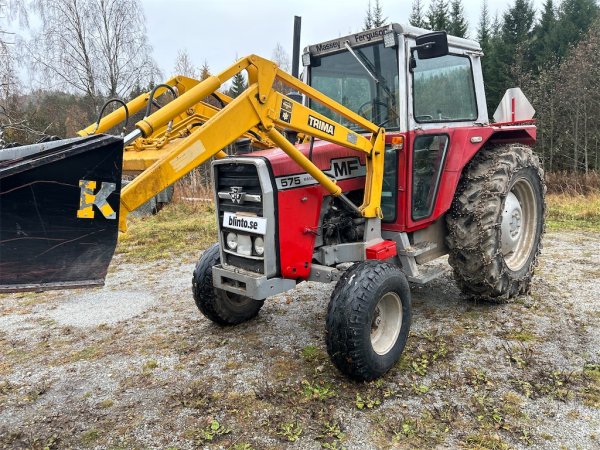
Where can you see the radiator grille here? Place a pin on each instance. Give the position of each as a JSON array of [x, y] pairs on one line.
[[239, 191]]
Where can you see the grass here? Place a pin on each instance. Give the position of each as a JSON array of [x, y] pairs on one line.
[[573, 212], [184, 229], [179, 229], [520, 335]]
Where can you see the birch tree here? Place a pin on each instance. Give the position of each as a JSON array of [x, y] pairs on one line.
[[95, 47], [184, 65]]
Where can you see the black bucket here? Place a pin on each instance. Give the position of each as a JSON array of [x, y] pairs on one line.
[[59, 213]]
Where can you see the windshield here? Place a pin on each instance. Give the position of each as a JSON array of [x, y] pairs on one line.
[[366, 82]]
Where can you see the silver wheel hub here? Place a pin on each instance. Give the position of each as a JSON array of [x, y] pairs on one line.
[[386, 323], [511, 223], [519, 223]]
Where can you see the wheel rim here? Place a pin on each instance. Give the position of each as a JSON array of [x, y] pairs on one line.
[[386, 323], [519, 220], [235, 301]]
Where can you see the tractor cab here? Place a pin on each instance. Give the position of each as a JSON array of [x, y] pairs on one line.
[[421, 86], [400, 77]]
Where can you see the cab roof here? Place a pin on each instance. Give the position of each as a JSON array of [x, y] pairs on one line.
[[376, 35]]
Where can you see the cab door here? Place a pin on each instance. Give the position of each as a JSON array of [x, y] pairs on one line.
[[428, 155], [443, 106]]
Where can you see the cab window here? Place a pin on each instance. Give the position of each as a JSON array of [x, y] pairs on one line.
[[343, 78], [429, 153], [389, 191], [443, 90]]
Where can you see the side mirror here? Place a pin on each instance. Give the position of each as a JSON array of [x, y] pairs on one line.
[[432, 45]]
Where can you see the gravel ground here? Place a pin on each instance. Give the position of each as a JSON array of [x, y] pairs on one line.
[[134, 365]]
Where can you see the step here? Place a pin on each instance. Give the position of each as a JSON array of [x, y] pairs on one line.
[[426, 274], [417, 249]]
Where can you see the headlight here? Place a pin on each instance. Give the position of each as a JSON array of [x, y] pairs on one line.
[[259, 246], [232, 241]]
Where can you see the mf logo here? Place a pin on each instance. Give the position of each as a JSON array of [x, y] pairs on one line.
[[345, 167], [88, 199], [236, 194]]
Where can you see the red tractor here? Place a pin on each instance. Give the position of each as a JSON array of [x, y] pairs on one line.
[[453, 184], [434, 176]]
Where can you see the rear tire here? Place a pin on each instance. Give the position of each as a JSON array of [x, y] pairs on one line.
[[222, 307], [368, 319], [496, 223]]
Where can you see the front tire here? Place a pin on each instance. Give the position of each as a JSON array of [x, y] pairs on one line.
[[222, 307], [496, 223], [368, 319]]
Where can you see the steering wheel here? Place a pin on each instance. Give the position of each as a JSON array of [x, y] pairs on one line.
[[361, 111], [376, 119]]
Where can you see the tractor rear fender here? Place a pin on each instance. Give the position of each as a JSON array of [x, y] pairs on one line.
[[475, 140], [465, 143]]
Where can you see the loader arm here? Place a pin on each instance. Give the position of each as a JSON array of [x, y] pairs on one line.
[[259, 108], [142, 153]]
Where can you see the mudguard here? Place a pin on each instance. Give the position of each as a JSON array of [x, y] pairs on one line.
[[59, 213]]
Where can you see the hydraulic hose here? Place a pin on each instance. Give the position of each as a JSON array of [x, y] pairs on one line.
[[151, 98], [221, 102], [112, 100], [310, 150]]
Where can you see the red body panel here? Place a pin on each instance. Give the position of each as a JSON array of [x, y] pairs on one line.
[[299, 208], [460, 151], [323, 153], [299, 211]]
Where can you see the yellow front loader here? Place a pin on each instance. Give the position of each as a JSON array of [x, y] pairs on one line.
[[260, 111], [61, 203]]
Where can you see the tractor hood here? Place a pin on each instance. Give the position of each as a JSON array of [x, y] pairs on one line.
[[338, 162]]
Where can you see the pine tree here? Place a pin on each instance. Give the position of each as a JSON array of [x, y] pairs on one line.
[[378, 19], [491, 61], [369, 18], [496, 28], [204, 71], [437, 17], [238, 85], [543, 44], [416, 16], [574, 20], [458, 24], [374, 17], [517, 23], [483, 30], [509, 45]]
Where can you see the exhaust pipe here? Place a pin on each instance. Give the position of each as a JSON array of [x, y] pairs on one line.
[[296, 48]]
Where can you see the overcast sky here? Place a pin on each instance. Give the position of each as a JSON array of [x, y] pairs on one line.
[[219, 30]]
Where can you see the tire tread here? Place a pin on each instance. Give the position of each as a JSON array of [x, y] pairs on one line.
[[208, 298], [473, 226], [347, 313]]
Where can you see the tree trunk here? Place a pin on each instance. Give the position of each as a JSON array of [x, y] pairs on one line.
[[551, 134], [585, 136], [575, 141]]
